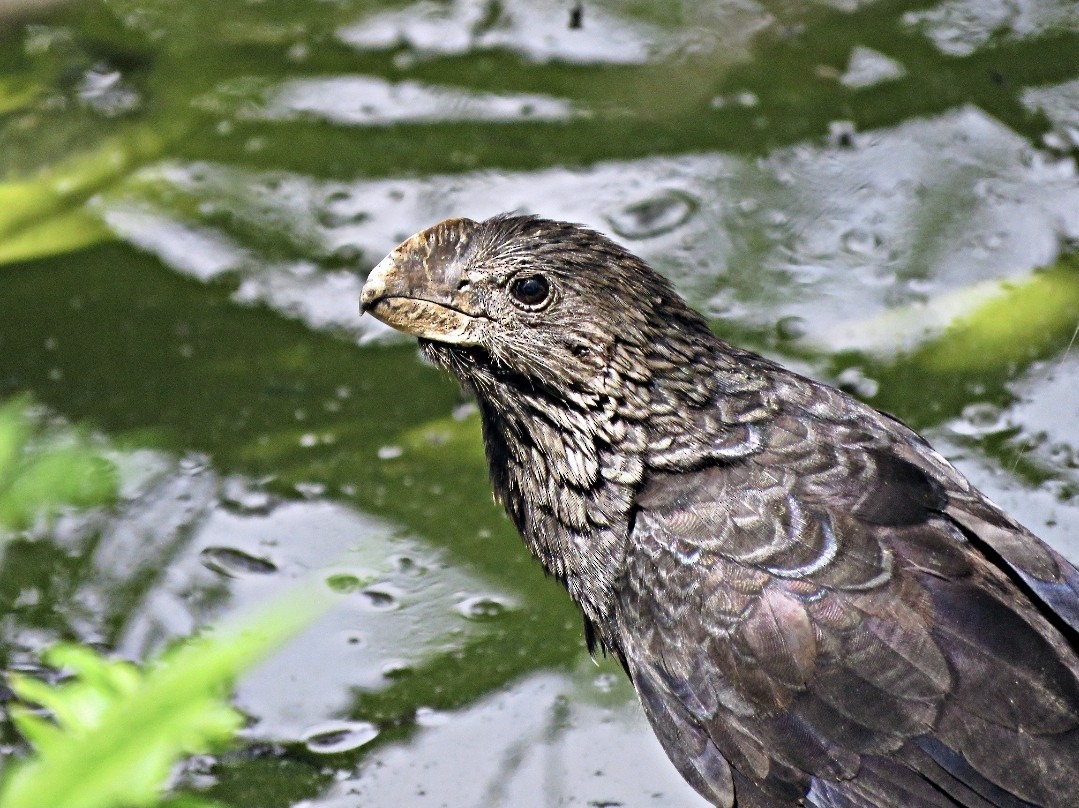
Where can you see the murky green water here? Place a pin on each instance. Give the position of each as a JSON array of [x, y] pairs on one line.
[[191, 195]]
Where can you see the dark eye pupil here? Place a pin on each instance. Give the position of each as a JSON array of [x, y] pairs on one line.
[[531, 290]]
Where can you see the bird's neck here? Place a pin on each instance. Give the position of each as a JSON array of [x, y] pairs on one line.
[[568, 485], [568, 470]]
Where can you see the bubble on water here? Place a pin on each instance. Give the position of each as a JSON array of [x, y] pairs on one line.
[[396, 670], [407, 565], [310, 490], [335, 737], [104, 90], [354, 639], [980, 419], [340, 209], [238, 496], [382, 598], [858, 241], [482, 608], [344, 583], [841, 134], [791, 328], [1061, 454], [654, 217], [234, 563], [854, 380], [605, 682], [428, 717]]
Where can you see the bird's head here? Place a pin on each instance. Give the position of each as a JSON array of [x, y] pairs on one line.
[[523, 301], [589, 370]]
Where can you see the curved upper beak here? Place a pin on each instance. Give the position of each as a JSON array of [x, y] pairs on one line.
[[414, 288]]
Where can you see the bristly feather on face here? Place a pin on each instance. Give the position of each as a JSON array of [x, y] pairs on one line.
[[814, 606]]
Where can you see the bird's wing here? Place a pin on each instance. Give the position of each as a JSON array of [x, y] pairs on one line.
[[842, 621], [1050, 581]]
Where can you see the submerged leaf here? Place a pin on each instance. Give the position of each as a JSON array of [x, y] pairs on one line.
[[1028, 320], [988, 325], [62, 233], [45, 215]]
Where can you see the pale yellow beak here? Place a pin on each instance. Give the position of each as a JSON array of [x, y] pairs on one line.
[[414, 288]]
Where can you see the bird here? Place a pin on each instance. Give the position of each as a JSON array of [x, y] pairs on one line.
[[814, 606]]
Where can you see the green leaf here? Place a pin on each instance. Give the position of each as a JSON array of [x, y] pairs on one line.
[[39, 477], [1028, 320], [54, 479], [119, 731], [65, 232], [46, 214], [988, 327], [16, 95], [14, 432]]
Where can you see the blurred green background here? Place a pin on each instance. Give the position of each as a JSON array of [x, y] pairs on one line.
[[881, 194]]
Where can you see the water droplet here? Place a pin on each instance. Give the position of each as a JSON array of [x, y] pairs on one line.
[[854, 380], [464, 411], [748, 205], [396, 670], [654, 217], [428, 717], [104, 90], [980, 419], [381, 599], [407, 565], [310, 490], [237, 496], [860, 242], [235, 563], [343, 583], [791, 328], [605, 682], [354, 639], [298, 52], [335, 737], [482, 608], [841, 134]]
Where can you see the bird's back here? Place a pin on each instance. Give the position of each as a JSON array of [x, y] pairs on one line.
[[839, 617]]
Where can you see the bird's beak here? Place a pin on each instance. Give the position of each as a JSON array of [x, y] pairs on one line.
[[414, 288]]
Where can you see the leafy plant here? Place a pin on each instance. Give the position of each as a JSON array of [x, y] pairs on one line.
[[41, 474], [118, 730]]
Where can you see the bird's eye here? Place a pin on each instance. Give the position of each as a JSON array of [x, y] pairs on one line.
[[530, 290]]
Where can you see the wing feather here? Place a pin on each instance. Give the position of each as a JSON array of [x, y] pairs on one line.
[[838, 630]]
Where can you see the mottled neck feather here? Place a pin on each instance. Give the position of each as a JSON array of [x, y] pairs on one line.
[[567, 468]]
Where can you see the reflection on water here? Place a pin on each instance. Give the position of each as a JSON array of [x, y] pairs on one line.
[[548, 740]]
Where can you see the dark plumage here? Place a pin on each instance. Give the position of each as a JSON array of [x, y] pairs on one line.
[[814, 606]]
